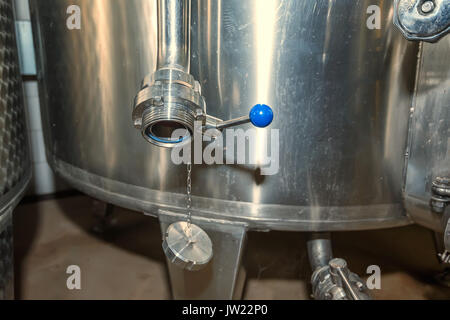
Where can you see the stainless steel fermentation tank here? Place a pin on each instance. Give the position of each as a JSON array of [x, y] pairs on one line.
[[343, 95], [15, 170]]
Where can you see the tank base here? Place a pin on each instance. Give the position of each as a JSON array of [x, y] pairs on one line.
[[223, 278]]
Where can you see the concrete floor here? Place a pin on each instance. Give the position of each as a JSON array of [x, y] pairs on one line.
[[126, 261]]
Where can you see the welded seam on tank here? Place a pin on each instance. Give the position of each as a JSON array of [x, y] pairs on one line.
[[411, 120], [173, 201]]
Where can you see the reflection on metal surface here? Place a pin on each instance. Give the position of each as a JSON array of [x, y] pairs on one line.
[[174, 22], [341, 94]]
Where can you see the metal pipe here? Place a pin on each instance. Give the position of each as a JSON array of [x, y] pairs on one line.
[[319, 250], [174, 19]]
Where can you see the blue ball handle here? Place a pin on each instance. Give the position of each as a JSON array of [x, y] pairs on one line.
[[261, 115]]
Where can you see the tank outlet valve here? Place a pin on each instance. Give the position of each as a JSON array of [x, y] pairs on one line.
[[167, 106], [170, 106], [336, 282]]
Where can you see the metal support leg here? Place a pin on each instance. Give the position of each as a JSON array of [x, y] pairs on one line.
[[223, 278], [106, 220]]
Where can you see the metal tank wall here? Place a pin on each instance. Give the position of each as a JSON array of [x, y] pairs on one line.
[[429, 143], [15, 170], [341, 94]]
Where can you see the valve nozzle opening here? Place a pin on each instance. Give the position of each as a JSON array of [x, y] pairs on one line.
[[167, 133]]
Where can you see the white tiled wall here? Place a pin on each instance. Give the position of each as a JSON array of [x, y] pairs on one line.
[[43, 181], [22, 10]]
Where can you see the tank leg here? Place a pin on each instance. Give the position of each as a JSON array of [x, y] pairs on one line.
[[224, 276], [105, 220]]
